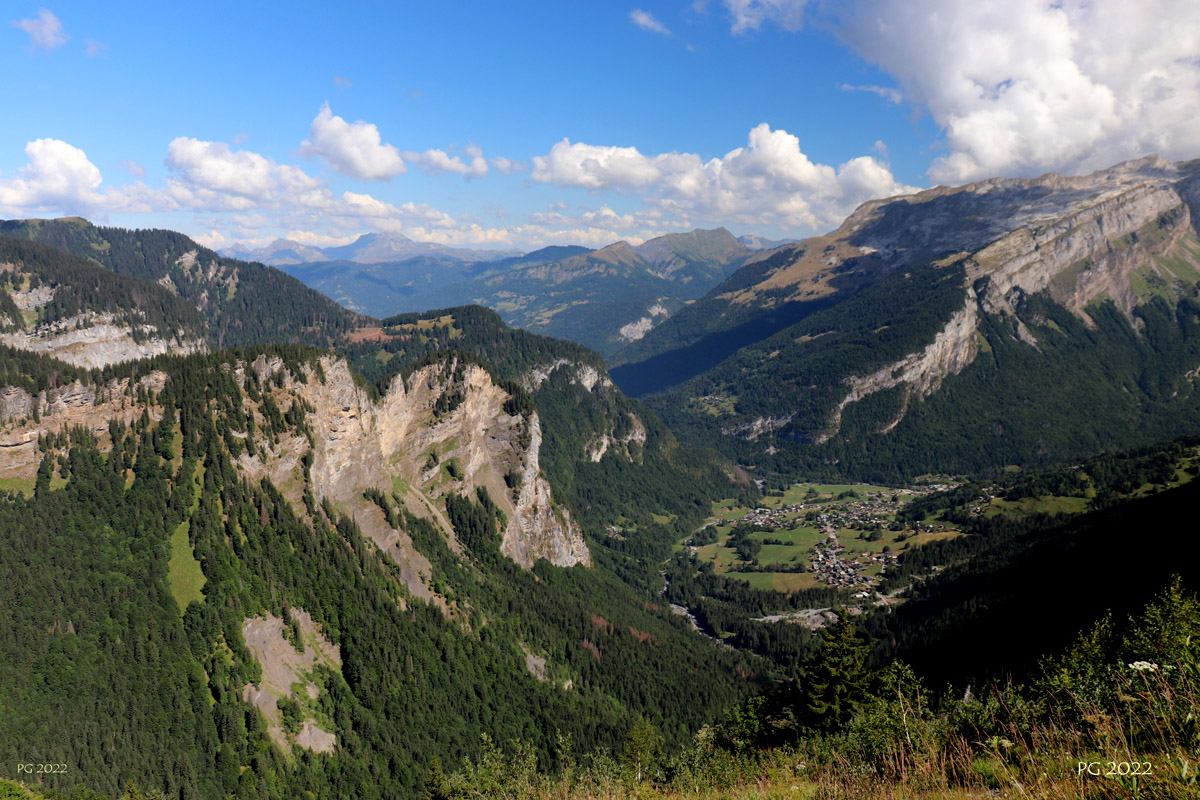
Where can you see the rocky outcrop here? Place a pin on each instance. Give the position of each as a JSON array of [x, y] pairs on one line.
[[95, 340], [636, 435], [402, 444], [284, 669], [32, 299], [1078, 239], [538, 528], [584, 374], [639, 328], [757, 427], [952, 350], [73, 405], [1101, 236]]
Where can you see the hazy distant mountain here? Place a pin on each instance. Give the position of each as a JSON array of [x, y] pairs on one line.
[[374, 248], [380, 289], [755, 242], [699, 255], [370, 248], [602, 298], [277, 253]]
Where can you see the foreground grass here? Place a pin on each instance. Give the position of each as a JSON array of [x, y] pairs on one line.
[[781, 774], [1115, 716]]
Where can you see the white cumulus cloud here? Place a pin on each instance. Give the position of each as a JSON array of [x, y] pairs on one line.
[[242, 196], [58, 176], [1021, 87], [354, 149], [45, 31], [770, 181], [507, 166], [435, 162], [647, 22], [749, 15], [211, 176], [597, 167]]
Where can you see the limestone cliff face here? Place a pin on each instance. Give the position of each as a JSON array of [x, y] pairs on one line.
[[538, 528], [583, 374], [72, 405], [89, 339], [1100, 240], [404, 443], [1078, 239], [951, 351], [93, 340]]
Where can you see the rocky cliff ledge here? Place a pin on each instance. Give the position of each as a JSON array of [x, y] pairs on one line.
[[404, 443]]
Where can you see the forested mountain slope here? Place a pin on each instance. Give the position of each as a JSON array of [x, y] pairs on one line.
[[53, 302], [1017, 588], [278, 575], [1008, 321], [241, 303], [258, 575]]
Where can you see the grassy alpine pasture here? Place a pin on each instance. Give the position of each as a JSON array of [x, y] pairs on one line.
[[183, 570]]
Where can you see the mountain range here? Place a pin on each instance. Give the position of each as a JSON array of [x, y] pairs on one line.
[[376, 248], [1010, 321], [601, 298], [369, 248], [257, 544]]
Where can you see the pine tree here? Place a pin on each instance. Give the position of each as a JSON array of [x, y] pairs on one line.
[[835, 682], [437, 786]]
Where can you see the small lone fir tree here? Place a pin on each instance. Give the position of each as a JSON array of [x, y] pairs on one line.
[[836, 681]]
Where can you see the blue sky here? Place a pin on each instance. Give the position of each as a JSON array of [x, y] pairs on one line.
[[529, 123]]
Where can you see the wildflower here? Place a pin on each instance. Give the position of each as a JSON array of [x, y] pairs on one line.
[[1143, 666]]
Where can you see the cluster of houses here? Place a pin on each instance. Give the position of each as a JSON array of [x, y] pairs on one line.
[[830, 567], [781, 517], [870, 510]]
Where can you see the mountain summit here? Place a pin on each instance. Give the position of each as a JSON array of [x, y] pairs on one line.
[[1005, 321]]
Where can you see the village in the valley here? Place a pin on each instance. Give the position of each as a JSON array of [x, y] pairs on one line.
[[814, 535]]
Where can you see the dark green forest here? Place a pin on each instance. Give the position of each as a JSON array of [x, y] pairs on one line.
[[101, 669], [81, 286], [1082, 390]]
